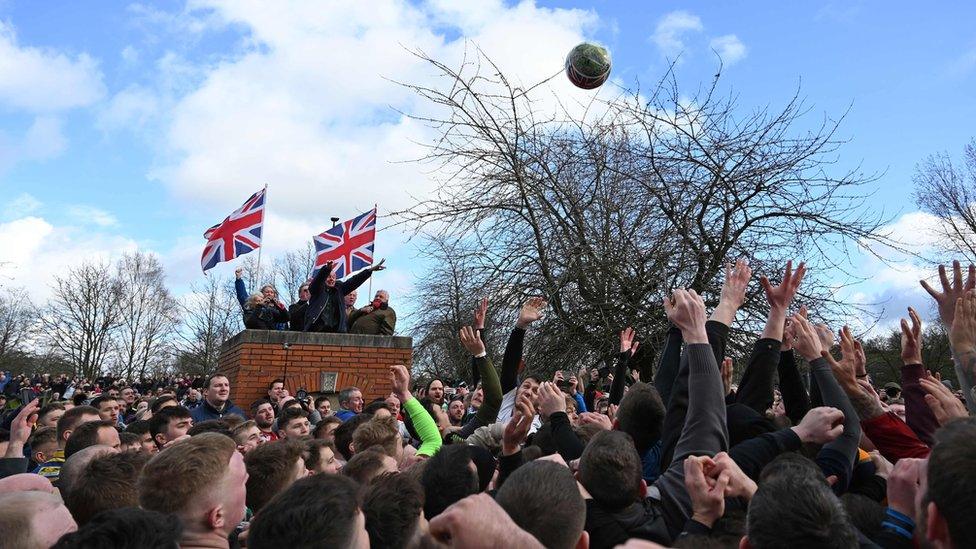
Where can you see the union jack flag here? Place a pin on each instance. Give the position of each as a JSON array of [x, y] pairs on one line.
[[238, 234], [349, 244]]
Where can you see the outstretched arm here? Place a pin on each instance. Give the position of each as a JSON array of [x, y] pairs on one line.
[[239, 287], [531, 311], [704, 431], [756, 387], [489, 384], [962, 338], [430, 437]]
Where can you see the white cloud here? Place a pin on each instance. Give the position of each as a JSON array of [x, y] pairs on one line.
[[892, 285], [33, 251], [44, 139], [729, 48], [21, 205], [130, 109], [41, 80], [308, 104], [90, 215], [672, 30], [129, 55]]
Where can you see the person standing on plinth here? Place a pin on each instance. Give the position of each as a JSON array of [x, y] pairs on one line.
[[326, 310]]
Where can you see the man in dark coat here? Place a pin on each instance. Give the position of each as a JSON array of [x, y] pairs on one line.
[[377, 318], [296, 313], [326, 310]]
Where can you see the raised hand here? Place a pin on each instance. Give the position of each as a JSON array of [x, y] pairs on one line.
[[20, 429], [962, 333], [944, 405], [379, 266], [740, 485], [517, 428], [480, 313], [478, 522], [551, 399], [707, 494], [807, 342], [733, 291], [627, 344], [904, 483], [946, 299], [400, 379], [600, 420], [781, 296], [911, 339], [238, 273], [471, 341], [686, 310], [573, 385], [532, 310], [820, 425], [727, 375]]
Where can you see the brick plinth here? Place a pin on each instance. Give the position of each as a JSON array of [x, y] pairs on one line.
[[253, 358]]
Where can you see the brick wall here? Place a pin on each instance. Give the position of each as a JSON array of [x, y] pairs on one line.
[[253, 358]]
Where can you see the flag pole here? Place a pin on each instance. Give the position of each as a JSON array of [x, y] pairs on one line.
[[261, 247], [370, 296]]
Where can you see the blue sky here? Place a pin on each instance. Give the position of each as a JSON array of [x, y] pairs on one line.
[[127, 126]]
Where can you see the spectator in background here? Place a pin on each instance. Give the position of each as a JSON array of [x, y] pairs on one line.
[[108, 408], [324, 406], [262, 311], [264, 417], [296, 312], [51, 469], [351, 305], [216, 400], [377, 318], [171, 423], [49, 415], [350, 403]]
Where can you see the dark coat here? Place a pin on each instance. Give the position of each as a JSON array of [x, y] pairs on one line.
[[265, 317], [320, 296], [296, 315], [206, 411]]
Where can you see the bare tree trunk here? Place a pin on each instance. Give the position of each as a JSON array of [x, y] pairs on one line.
[[83, 315]]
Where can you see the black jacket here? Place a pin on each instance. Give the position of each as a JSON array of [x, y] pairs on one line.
[[296, 315], [609, 528], [320, 296], [265, 317]]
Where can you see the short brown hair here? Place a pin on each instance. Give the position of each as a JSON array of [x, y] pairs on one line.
[[313, 452], [239, 429], [380, 433], [176, 476], [270, 470], [108, 482], [43, 435], [72, 418], [364, 466]]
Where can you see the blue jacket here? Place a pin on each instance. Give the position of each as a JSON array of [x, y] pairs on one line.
[[205, 411], [345, 415]]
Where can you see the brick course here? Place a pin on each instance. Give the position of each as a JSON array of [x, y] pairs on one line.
[[253, 358]]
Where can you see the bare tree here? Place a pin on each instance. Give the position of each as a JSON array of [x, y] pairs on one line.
[[210, 315], [18, 324], [149, 315], [82, 315], [292, 269], [604, 212], [948, 191]]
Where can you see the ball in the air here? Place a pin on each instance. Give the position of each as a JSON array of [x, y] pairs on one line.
[[588, 65]]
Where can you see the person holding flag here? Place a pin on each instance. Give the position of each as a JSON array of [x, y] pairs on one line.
[[345, 248], [326, 310]]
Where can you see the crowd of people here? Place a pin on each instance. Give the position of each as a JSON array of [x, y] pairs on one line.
[[325, 304], [674, 455]]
